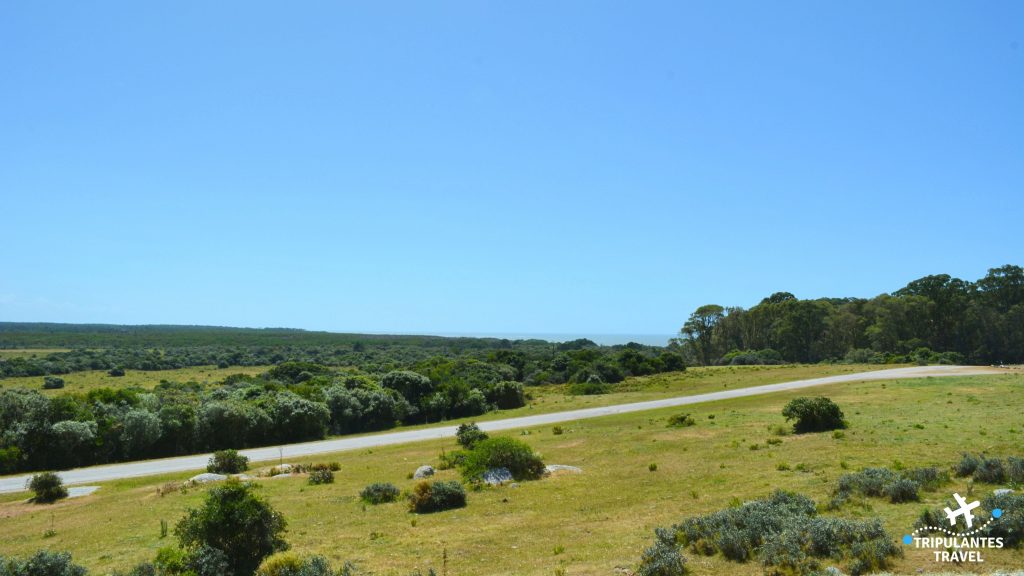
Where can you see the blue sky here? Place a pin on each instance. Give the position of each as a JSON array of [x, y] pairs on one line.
[[482, 167]]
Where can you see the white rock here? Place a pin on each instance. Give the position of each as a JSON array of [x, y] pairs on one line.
[[1001, 491], [423, 472], [79, 491], [207, 477], [561, 468]]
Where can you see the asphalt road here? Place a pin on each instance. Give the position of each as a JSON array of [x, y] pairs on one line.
[[198, 462]]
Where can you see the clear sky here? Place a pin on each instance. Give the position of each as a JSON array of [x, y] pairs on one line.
[[485, 167]]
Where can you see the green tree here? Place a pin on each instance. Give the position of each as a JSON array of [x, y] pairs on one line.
[[236, 522], [700, 331]]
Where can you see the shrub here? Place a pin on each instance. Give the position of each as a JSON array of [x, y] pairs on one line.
[[652, 467], [814, 415], [1010, 526], [235, 522], [379, 493], [116, 372], [503, 452], [901, 490], [290, 564], [449, 460], [506, 395], [557, 430], [681, 420], [469, 434], [52, 383], [967, 465], [663, 558], [436, 496], [208, 561], [321, 476], [1015, 469], [589, 388], [48, 487], [785, 531], [990, 470], [42, 563], [227, 462]]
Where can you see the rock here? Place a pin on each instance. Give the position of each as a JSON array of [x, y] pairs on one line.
[[207, 477], [514, 485], [283, 475], [552, 468], [423, 472], [79, 491], [1002, 491], [497, 476], [242, 477]]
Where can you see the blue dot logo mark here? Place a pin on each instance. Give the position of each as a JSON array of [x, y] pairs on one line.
[[908, 539], [997, 513]]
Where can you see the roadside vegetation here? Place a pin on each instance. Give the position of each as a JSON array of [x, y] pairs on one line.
[[602, 518]]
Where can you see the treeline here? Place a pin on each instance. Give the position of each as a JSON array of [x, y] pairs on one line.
[[934, 319], [292, 402]]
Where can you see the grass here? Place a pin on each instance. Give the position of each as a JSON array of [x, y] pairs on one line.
[[28, 352], [78, 382], [599, 520]]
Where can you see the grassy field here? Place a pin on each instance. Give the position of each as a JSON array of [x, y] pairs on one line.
[[91, 379], [28, 352], [594, 522]]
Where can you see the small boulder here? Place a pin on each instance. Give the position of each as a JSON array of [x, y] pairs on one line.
[[282, 475], [552, 468], [1002, 491], [497, 476], [423, 472], [207, 477]]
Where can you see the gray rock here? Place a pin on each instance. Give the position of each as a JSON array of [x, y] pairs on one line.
[[423, 472], [207, 477], [561, 468], [1001, 491], [284, 475], [497, 476], [79, 491]]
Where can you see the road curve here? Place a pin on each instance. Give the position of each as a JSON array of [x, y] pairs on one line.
[[198, 462]]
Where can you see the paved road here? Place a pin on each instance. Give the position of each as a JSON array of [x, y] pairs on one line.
[[198, 462]]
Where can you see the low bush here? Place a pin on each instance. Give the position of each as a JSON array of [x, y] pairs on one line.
[[427, 497], [42, 563], [47, 487], [116, 372], [681, 421], [897, 486], [379, 493], [227, 462], [989, 470], [929, 478], [1015, 469], [502, 452], [589, 388], [321, 476], [469, 434], [53, 383], [449, 460], [901, 490], [967, 465], [291, 564], [663, 558], [814, 415], [1010, 526], [785, 532]]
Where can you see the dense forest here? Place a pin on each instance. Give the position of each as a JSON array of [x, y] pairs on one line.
[[934, 319]]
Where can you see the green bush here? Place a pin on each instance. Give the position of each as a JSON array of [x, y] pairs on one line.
[[290, 564], [814, 415], [967, 465], [1015, 469], [469, 434], [116, 372], [227, 462], [788, 536], [681, 420], [502, 452], [506, 395], [379, 493], [48, 487], [321, 476], [663, 558], [449, 460], [990, 470], [237, 524], [52, 383], [427, 497], [901, 490], [589, 388], [1010, 526], [42, 563]]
